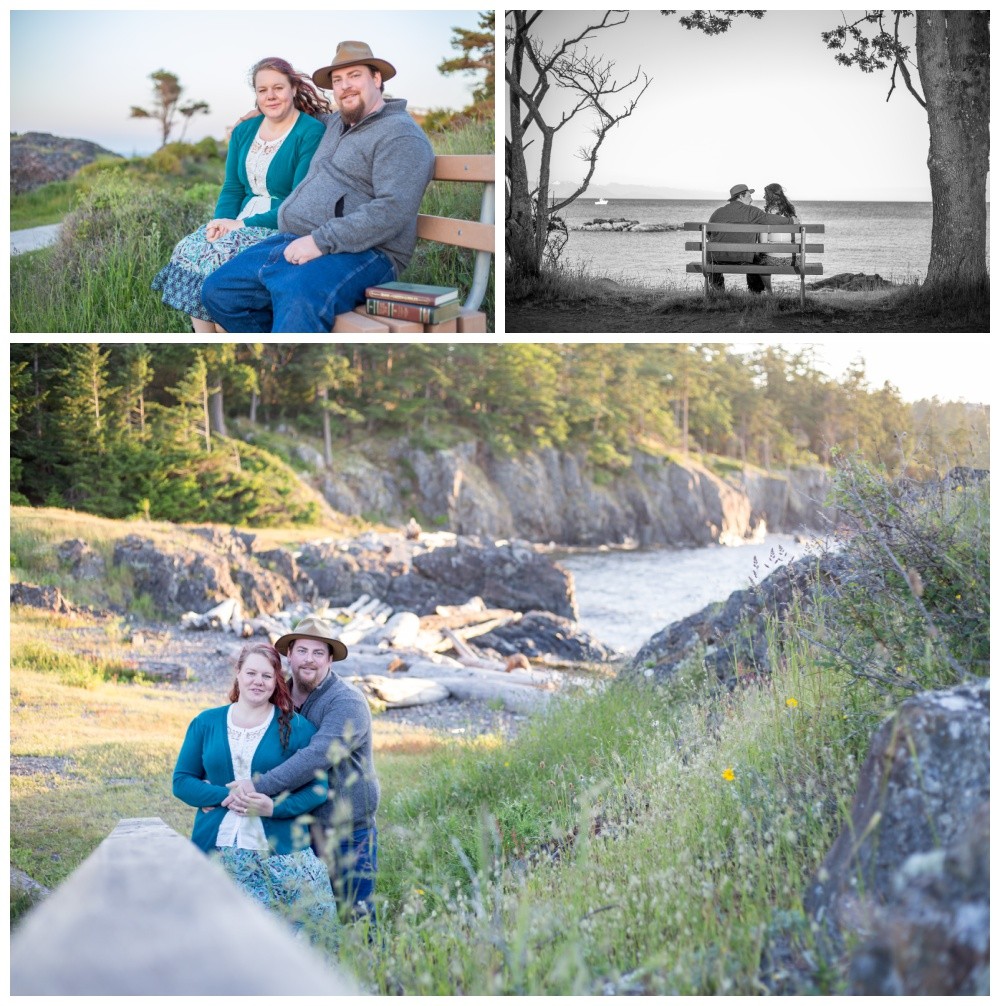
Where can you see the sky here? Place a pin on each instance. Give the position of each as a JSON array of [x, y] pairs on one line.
[[953, 368], [764, 102], [78, 73]]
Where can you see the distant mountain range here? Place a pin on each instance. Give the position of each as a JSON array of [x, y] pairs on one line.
[[617, 190], [624, 191]]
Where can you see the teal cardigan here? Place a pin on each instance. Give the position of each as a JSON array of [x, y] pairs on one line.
[[205, 765], [286, 170]]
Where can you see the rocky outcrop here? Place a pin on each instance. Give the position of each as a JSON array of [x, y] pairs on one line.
[[731, 636], [83, 561], [621, 224], [30, 595], [555, 496], [794, 500], [410, 575], [853, 281], [39, 158], [907, 881], [541, 634], [182, 577], [505, 575]]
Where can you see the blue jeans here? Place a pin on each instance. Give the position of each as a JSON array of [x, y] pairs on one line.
[[258, 291], [352, 872]]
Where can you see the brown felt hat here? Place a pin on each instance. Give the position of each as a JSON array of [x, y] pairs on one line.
[[738, 190], [312, 627], [352, 54]]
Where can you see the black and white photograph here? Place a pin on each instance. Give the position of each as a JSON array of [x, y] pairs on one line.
[[852, 146]]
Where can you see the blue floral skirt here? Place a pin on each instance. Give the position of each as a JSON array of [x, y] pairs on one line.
[[193, 258], [296, 885]]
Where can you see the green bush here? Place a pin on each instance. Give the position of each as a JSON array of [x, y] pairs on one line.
[[97, 279], [916, 614], [207, 148], [235, 484], [165, 163]]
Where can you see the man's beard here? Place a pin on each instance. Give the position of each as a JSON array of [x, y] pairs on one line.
[[307, 686], [354, 116]]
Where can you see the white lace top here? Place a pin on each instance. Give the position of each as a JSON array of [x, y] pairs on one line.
[[259, 158], [243, 831]]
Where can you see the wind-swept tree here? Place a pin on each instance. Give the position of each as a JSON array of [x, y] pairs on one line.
[[531, 73], [477, 54], [167, 92]]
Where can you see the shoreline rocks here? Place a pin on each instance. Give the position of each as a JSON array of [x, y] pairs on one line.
[[622, 225]]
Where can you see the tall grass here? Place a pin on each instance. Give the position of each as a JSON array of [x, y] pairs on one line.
[[125, 224], [441, 265], [96, 279]]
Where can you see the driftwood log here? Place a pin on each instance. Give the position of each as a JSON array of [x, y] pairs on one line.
[[399, 659]]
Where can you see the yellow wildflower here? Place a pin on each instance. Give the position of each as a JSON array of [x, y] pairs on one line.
[[791, 703], [728, 774]]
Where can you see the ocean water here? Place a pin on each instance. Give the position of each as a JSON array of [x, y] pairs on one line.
[[891, 239], [626, 596]]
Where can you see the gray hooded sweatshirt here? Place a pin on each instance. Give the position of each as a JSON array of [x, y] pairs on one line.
[[364, 187]]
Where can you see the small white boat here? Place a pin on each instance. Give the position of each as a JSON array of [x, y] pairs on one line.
[[600, 202]]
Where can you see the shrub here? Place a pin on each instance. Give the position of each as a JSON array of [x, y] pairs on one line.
[[165, 163], [916, 613], [97, 279], [207, 148]]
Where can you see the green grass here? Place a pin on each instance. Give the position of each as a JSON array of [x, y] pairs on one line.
[[45, 205], [440, 265]]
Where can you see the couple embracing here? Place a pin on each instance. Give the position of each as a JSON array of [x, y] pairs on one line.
[[740, 210], [318, 204], [283, 782]]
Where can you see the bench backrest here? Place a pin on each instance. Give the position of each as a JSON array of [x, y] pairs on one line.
[[148, 913], [479, 236]]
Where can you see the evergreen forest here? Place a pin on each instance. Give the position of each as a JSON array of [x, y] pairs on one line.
[[184, 432]]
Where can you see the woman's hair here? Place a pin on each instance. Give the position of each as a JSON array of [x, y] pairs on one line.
[[307, 97], [775, 199], [281, 697]]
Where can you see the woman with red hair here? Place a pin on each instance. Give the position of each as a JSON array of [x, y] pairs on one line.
[[269, 155], [266, 849]]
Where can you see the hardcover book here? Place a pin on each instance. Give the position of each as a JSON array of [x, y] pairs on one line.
[[414, 293], [413, 312]]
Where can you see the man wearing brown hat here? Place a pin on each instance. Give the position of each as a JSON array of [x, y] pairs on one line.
[[740, 210], [349, 224], [344, 835]]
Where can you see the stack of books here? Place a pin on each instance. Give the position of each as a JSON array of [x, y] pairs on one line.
[[429, 305]]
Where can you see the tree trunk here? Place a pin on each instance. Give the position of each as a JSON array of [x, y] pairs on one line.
[[953, 55], [323, 396], [254, 399], [216, 414], [521, 241]]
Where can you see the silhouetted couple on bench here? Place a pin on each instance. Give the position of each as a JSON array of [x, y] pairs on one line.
[[740, 210]]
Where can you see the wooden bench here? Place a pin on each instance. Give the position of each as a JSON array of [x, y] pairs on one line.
[[479, 236], [796, 245]]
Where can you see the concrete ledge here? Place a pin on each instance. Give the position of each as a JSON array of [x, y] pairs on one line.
[[149, 914]]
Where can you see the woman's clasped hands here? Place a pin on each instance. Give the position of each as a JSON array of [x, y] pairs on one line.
[[214, 229]]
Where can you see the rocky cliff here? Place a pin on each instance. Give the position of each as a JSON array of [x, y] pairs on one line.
[[550, 495], [39, 158]]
